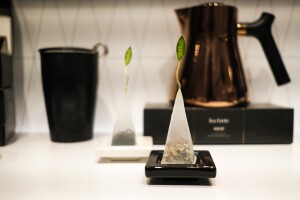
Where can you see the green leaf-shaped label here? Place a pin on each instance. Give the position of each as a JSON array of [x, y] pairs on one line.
[[128, 55], [180, 48]]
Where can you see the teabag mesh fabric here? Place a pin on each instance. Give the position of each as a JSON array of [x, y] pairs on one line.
[[124, 132], [179, 146]]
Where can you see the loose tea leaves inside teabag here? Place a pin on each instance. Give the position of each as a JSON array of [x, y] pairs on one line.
[[124, 132], [179, 146]]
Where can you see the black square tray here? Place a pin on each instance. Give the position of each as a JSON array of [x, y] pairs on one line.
[[204, 167]]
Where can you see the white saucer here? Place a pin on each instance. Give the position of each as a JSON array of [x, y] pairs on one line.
[[142, 149]]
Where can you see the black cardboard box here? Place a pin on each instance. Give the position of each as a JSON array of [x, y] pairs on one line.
[[5, 65], [7, 115], [254, 124]]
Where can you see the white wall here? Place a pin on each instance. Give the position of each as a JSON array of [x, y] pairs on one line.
[[151, 28]]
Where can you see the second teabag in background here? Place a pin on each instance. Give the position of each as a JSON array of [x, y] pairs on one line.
[[179, 146], [124, 144], [124, 132]]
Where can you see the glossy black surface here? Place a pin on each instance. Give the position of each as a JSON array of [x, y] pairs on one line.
[[70, 77], [204, 167]]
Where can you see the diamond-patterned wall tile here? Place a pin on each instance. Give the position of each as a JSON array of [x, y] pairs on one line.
[[104, 116], [293, 90], [157, 76], [283, 11], [30, 20], [152, 29], [293, 86], [103, 12], [139, 97], [86, 31], [51, 34], [280, 95], [173, 26], [157, 38], [260, 78], [23, 45], [122, 31], [117, 78], [20, 101], [139, 13], [152, 85], [33, 115], [68, 13], [37, 117], [292, 44]]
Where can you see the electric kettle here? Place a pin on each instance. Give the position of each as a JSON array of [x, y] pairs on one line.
[[212, 74]]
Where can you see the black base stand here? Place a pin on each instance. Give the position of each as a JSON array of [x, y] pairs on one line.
[[204, 167]]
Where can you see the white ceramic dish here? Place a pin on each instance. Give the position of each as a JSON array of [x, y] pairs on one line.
[[142, 149]]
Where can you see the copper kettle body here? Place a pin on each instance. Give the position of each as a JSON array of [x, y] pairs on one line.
[[211, 73]]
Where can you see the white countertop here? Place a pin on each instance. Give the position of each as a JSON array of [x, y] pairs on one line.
[[33, 167]]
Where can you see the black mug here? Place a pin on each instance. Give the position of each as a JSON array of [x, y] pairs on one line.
[[70, 78]]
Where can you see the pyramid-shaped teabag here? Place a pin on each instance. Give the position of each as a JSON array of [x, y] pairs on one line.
[[179, 146]]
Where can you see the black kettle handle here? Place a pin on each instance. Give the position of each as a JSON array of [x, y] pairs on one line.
[[261, 29]]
